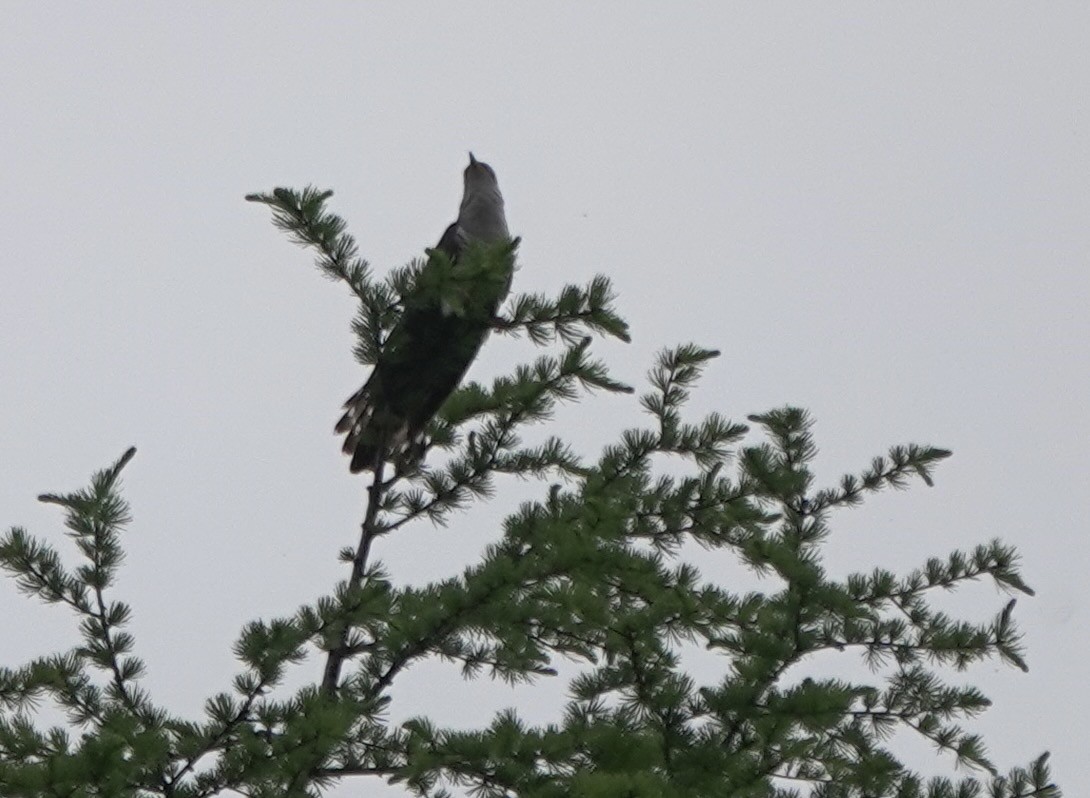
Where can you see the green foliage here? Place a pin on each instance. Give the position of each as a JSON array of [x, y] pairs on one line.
[[593, 574]]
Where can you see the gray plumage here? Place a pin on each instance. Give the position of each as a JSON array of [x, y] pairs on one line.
[[480, 217], [430, 348]]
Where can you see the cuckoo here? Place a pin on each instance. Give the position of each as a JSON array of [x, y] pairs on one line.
[[431, 346]]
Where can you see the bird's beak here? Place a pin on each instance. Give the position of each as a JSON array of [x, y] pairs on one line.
[[472, 160]]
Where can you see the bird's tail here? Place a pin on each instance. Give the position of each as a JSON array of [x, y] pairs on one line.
[[363, 439], [371, 436]]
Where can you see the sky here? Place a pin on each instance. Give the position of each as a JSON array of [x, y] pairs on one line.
[[878, 212]]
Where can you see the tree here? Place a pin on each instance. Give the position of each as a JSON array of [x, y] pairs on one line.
[[594, 572]]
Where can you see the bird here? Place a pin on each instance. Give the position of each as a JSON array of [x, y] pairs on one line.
[[437, 337]]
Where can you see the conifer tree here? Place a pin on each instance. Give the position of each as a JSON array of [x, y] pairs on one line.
[[591, 573]]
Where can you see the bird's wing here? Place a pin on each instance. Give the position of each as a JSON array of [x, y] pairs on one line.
[[451, 242]]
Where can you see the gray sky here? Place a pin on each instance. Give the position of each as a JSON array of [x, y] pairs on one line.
[[877, 212]]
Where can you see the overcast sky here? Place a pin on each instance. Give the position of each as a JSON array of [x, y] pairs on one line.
[[876, 211]]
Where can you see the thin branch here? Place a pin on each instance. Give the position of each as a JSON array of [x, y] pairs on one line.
[[369, 530], [213, 744]]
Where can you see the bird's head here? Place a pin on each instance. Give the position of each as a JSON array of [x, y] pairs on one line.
[[479, 177], [481, 216]]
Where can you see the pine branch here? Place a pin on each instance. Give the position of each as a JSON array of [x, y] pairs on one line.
[[530, 395], [94, 519], [302, 214], [892, 472], [576, 310], [369, 531]]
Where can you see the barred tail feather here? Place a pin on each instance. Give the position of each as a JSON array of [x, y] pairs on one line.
[[356, 408], [370, 433]]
